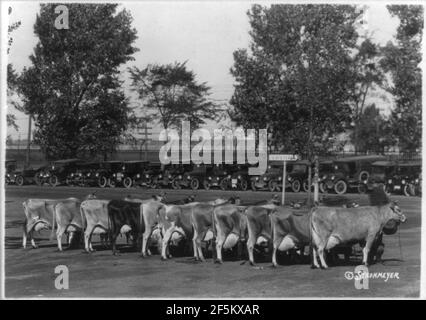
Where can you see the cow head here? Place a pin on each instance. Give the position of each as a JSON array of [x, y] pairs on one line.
[[219, 201], [396, 212], [91, 196], [160, 197]]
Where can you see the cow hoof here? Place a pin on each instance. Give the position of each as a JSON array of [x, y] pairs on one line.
[[34, 247], [169, 256], [274, 266], [163, 259], [242, 263], [218, 261]]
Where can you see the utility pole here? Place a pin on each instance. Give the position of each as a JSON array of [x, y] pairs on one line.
[[146, 134], [27, 158]]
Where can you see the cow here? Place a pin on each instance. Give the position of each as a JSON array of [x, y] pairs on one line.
[[94, 216], [178, 219], [258, 227], [331, 226], [124, 217], [290, 230], [150, 210], [229, 228], [38, 216]]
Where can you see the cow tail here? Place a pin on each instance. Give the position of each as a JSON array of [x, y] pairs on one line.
[[83, 219]]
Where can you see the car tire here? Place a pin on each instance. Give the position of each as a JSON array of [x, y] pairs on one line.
[[102, 181], [363, 175], [244, 185], [53, 181], [224, 184], [306, 188], [409, 190], [206, 185], [37, 179], [322, 187], [112, 183], [340, 187], [175, 185], [296, 186], [272, 185], [195, 184], [127, 182], [362, 188], [19, 180], [253, 186]]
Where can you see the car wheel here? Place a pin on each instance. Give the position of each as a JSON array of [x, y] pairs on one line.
[[322, 187], [53, 181], [253, 186], [102, 182], [127, 182], [224, 184], [19, 180], [112, 183], [363, 176], [295, 186], [340, 187], [37, 179], [409, 190], [306, 188], [272, 185], [7, 180], [68, 182], [206, 185], [244, 185], [195, 184], [362, 188], [175, 185]]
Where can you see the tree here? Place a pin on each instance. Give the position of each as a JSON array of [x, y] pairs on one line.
[[402, 61], [297, 78], [72, 88], [172, 93], [373, 133], [368, 74], [12, 77]]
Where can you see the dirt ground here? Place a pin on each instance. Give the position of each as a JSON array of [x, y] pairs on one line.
[[30, 272]]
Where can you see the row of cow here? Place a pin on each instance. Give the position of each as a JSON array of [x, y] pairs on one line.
[[222, 223]]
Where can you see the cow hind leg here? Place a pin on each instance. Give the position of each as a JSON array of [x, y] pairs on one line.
[[219, 245], [319, 247], [250, 247], [59, 234], [366, 250], [24, 240]]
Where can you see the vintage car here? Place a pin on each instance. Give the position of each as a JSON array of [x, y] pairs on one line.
[[86, 174], [57, 172], [134, 174], [192, 177], [10, 167], [114, 172], [272, 178], [381, 172], [325, 169], [240, 178], [216, 176], [180, 177], [297, 177], [165, 178], [24, 176], [406, 179], [349, 172]]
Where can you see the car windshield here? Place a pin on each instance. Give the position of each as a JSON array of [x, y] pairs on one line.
[[342, 166], [299, 168], [325, 167]]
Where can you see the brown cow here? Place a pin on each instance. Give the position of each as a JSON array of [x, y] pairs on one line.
[[332, 226]]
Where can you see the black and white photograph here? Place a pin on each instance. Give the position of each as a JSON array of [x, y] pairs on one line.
[[211, 150]]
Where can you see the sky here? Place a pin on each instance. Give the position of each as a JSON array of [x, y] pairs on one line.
[[205, 34]]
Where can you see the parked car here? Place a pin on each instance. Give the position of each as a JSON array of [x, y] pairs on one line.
[[180, 177], [57, 172], [10, 167], [85, 174], [406, 179], [325, 170], [272, 178], [349, 172], [114, 172], [152, 173], [298, 175], [192, 177], [381, 172], [240, 178], [135, 173], [165, 178], [24, 176]]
